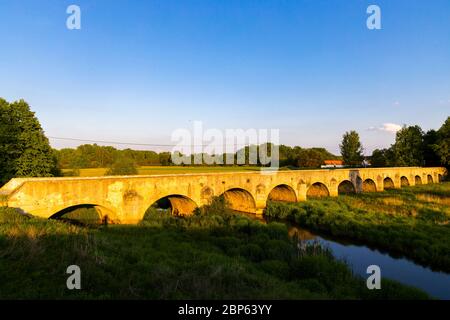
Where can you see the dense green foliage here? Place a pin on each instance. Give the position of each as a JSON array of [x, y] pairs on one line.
[[95, 156], [408, 146], [413, 147], [312, 158], [412, 221], [24, 149], [122, 166], [442, 145], [351, 149], [213, 254]]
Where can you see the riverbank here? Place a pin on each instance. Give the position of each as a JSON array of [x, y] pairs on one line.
[[412, 222], [212, 255]]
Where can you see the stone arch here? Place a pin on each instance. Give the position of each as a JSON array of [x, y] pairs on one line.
[[179, 205], [388, 183], [206, 195], [417, 180], [440, 177], [317, 190], [346, 187], [282, 192], [99, 214], [404, 182], [239, 199], [369, 186], [429, 178]]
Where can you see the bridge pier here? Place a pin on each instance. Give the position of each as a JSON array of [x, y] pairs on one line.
[[301, 194], [412, 180], [334, 192], [260, 206]]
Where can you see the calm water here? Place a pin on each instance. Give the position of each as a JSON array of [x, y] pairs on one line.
[[359, 257]]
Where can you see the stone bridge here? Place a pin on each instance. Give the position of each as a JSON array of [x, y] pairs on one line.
[[125, 199]]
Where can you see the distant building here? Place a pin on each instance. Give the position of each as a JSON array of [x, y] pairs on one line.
[[332, 164]]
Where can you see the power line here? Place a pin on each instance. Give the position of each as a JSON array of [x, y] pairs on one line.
[[140, 144], [114, 142]]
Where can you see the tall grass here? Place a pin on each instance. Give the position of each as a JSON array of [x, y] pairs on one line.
[[214, 254]]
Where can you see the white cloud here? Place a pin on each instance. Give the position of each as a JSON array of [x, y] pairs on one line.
[[387, 127], [396, 103]]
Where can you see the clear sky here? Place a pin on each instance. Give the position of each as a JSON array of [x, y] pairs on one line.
[[138, 70]]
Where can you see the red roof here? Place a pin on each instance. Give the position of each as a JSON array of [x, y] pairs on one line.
[[334, 162]]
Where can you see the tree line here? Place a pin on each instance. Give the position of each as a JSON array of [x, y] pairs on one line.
[[26, 152], [95, 156], [414, 147]]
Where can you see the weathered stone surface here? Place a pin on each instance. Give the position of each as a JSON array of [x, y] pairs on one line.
[[124, 199]]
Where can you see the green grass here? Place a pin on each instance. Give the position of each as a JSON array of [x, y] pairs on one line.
[[151, 170], [213, 254], [412, 221]]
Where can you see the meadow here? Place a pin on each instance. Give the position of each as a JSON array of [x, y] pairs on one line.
[[214, 254], [151, 170], [412, 221]]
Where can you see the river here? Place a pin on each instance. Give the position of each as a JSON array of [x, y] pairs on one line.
[[359, 257]]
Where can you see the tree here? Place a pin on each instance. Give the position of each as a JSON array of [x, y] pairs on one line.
[[442, 146], [378, 158], [310, 158], [351, 148], [430, 156], [122, 166], [408, 146], [165, 158], [25, 149], [8, 142], [382, 158]]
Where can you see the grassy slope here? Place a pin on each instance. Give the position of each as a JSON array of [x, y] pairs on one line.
[[412, 221], [209, 256]]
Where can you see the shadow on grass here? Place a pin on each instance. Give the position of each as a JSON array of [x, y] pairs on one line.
[[209, 256]]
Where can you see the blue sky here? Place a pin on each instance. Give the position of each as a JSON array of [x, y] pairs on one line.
[[138, 70]]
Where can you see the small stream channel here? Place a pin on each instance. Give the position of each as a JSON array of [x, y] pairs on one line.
[[359, 257]]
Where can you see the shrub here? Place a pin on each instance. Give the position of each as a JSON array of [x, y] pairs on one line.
[[122, 166]]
